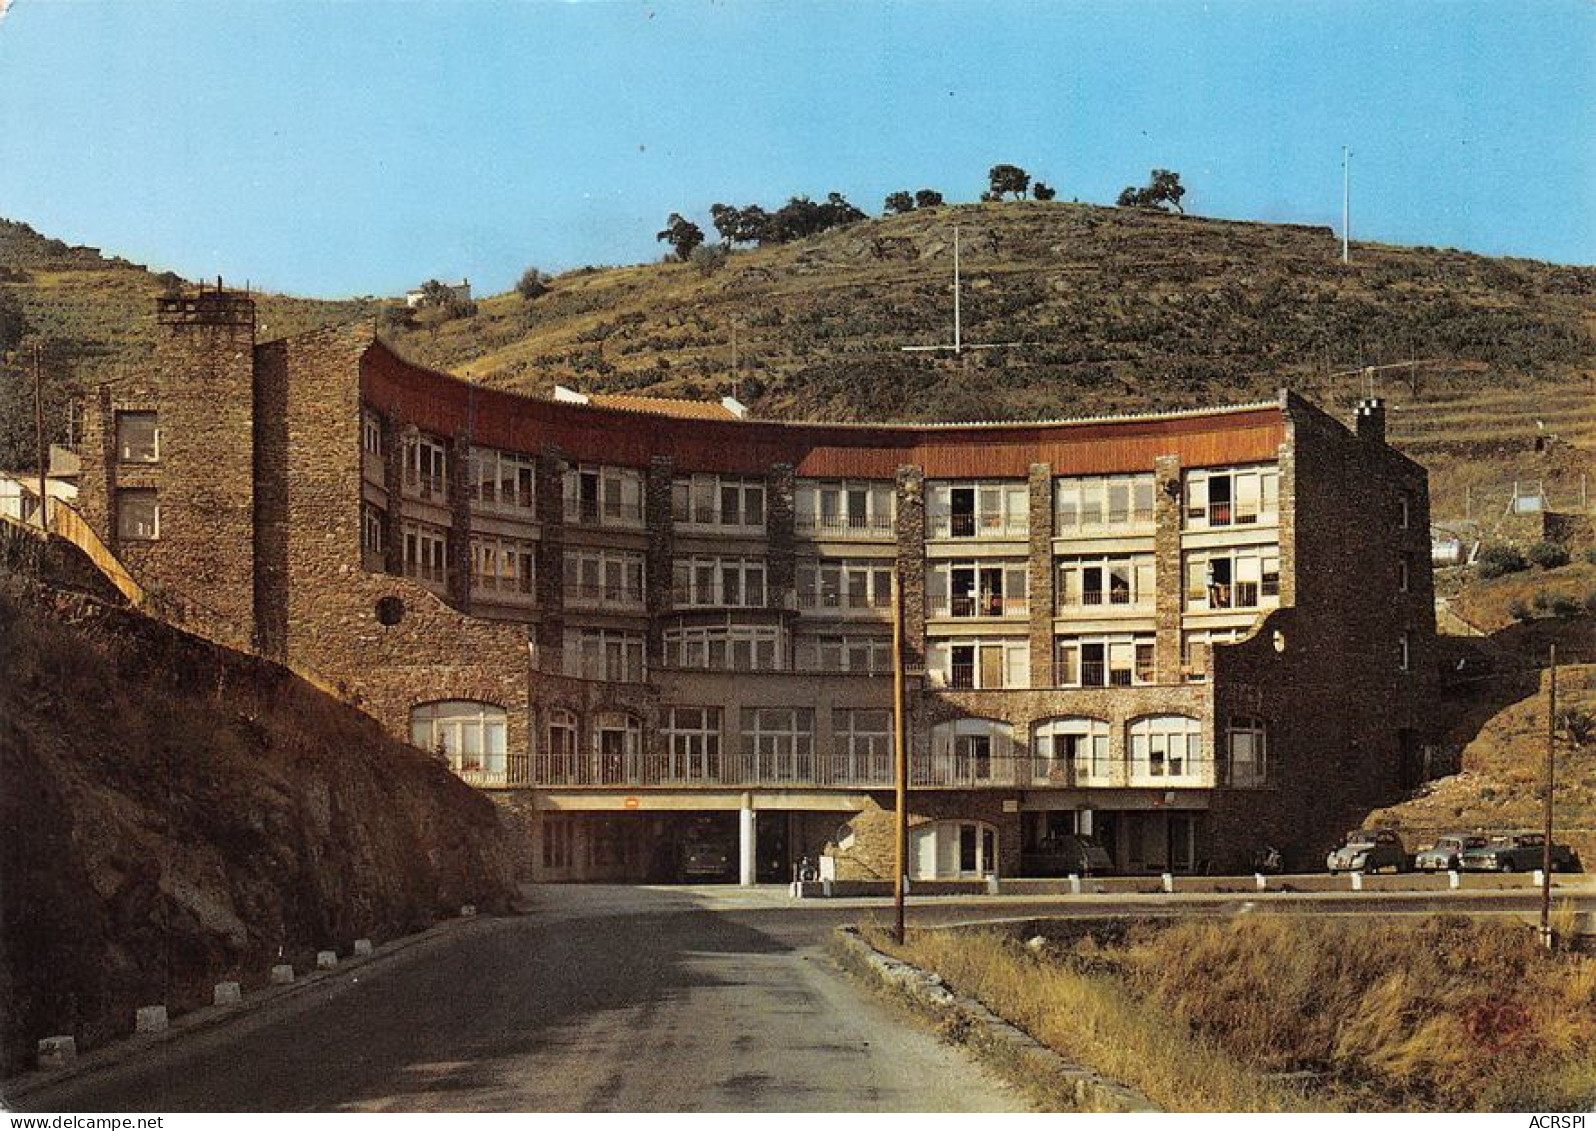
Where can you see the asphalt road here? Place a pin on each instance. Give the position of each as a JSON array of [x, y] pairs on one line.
[[615, 999]]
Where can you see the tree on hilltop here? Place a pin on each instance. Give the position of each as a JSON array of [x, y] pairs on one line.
[[1005, 179], [532, 284], [1162, 188], [682, 234], [897, 203], [1039, 191], [927, 198]]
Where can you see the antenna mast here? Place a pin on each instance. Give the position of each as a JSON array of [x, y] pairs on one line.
[[958, 346], [1346, 204]]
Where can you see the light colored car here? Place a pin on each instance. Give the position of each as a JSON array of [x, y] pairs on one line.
[[1517, 852], [1446, 854], [1368, 850]]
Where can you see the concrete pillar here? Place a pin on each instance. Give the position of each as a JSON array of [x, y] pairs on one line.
[[150, 1019], [362, 948], [226, 993], [326, 959], [746, 844]]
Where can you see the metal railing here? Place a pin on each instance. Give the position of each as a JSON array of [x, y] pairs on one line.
[[587, 513], [864, 526], [843, 601], [862, 769], [983, 605], [603, 596], [715, 598], [978, 526], [956, 770]]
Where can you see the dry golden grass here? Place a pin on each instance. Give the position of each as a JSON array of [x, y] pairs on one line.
[[1093, 1019], [1432, 1014]]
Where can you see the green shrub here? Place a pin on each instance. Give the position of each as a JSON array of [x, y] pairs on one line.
[[1548, 555], [1519, 611], [1497, 561], [1541, 601], [1563, 606]]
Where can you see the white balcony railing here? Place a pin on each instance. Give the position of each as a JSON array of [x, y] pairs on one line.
[[984, 605]]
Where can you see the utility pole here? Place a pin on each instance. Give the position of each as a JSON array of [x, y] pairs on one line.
[[1551, 781], [900, 766], [38, 434], [1346, 204]]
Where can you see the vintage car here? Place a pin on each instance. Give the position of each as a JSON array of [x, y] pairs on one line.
[[1066, 854], [1517, 852], [1368, 850], [1446, 854]]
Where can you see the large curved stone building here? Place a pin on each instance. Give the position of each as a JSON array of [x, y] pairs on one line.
[[659, 632]]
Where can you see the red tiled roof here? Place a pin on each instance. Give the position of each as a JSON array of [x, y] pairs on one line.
[[663, 406]]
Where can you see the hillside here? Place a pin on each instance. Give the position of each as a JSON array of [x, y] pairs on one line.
[[1499, 787], [94, 315], [238, 815], [1115, 310]]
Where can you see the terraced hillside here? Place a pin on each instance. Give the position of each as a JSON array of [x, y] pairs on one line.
[[93, 314], [1113, 310]]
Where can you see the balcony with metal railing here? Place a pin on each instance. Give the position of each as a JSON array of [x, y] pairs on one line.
[[589, 512], [978, 526], [994, 605], [844, 602], [951, 769], [867, 769], [876, 526], [587, 595]]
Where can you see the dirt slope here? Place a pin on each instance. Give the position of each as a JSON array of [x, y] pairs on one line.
[[173, 814]]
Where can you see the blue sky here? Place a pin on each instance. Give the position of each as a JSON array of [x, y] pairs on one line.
[[350, 148]]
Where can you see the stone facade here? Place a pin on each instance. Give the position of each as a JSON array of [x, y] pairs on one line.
[[266, 464]]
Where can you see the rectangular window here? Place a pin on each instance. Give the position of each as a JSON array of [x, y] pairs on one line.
[[863, 746], [373, 528], [1240, 496], [692, 744], [719, 500], [604, 496], [138, 514], [503, 482], [604, 579], [426, 552], [989, 588], [1122, 580], [426, 468], [603, 653], [845, 585], [138, 440], [503, 567], [719, 582], [779, 743], [1244, 578], [371, 434], [1109, 660], [984, 510], [844, 508], [980, 664], [721, 647], [1102, 503]]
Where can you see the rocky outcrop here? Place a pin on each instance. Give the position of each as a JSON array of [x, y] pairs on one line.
[[176, 814]]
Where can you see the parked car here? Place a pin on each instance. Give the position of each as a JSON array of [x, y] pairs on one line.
[[1067, 854], [707, 855], [1446, 854], [1517, 852], [1368, 850]]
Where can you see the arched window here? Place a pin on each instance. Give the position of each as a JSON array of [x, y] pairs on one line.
[[559, 764], [1166, 746], [617, 748], [468, 733], [967, 751], [1070, 749], [1246, 741]]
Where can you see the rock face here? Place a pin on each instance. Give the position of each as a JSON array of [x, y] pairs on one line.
[[175, 814]]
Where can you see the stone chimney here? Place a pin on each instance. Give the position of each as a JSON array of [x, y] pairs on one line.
[[1371, 420]]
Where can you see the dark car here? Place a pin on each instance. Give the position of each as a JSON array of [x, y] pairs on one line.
[[1517, 852], [1368, 850], [707, 854], [1066, 854], [1446, 854]]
